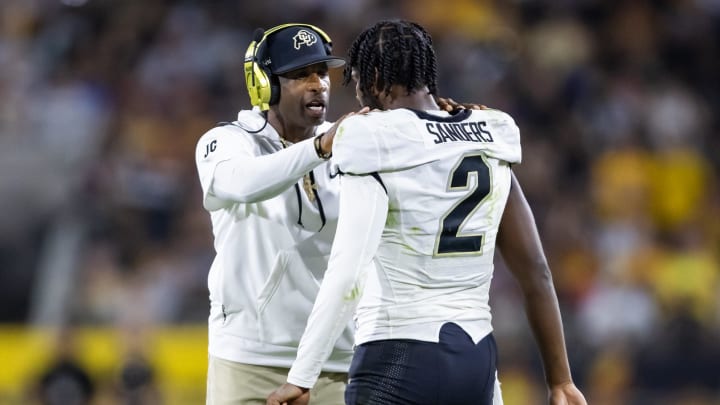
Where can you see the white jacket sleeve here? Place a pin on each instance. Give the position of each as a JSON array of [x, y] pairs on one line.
[[363, 211], [249, 179], [231, 170]]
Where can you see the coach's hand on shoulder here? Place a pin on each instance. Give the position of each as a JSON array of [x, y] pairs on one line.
[[450, 105], [289, 394], [566, 394], [326, 141]]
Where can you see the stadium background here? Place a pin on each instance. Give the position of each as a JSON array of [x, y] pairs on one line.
[[104, 246]]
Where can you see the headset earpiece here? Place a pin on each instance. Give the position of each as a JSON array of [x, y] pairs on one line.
[[274, 90], [264, 87], [256, 78]]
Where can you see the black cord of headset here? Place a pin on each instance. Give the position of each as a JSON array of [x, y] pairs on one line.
[[265, 114], [236, 123]]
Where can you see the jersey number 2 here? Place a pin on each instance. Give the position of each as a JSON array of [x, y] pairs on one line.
[[449, 241]]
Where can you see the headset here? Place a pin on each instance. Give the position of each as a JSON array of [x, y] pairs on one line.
[[262, 85]]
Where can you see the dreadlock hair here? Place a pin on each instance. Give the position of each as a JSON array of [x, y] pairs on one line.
[[393, 52]]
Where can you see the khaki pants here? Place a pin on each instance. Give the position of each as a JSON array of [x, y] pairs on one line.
[[231, 383]]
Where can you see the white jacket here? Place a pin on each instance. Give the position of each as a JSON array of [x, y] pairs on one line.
[[272, 239]]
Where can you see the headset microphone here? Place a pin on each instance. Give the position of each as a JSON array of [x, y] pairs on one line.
[[258, 34]]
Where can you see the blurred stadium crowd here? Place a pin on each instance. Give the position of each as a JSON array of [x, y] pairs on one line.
[[618, 103]]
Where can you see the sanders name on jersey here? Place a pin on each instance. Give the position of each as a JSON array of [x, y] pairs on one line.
[[465, 131]]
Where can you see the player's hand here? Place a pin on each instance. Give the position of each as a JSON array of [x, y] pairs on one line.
[[450, 105], [326, 141], [566, 394], [289, 394]]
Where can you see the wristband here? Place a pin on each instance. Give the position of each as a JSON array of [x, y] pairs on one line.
[[318, 148]]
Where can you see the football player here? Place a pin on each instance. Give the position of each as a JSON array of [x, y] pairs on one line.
[[425, 198]]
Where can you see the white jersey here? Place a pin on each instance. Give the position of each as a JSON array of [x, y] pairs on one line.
[[272, 240], [431, 189]]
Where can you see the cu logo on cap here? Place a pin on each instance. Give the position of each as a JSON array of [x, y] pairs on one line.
[[304, 37]]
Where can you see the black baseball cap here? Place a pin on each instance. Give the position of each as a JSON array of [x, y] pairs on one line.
[[295, 47]]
